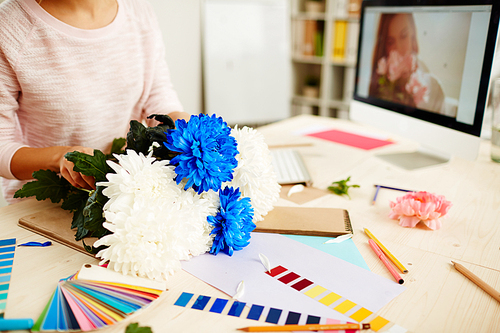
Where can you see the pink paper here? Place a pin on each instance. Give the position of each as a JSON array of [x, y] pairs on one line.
[[351, 139], [335, 321]]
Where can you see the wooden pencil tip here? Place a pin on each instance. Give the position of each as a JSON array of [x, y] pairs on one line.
[[244, 329]]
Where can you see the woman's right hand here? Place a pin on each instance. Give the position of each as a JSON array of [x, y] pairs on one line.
[[75, 178]]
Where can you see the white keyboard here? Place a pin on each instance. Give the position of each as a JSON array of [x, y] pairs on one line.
[[289, 167]]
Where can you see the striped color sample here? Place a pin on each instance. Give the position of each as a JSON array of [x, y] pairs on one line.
[[333, 300], [255, 312], [7, 248]]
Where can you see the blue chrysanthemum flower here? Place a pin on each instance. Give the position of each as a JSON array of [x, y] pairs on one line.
[[207, 152], [233, 222]]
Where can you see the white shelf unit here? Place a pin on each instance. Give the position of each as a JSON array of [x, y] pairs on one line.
[[336, 76]]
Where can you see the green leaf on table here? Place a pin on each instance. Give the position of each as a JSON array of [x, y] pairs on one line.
[[341, 187], [48, 185], [90, 165], [135, 328]]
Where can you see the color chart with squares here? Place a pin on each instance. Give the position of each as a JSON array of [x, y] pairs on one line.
[[231, 307], [7, 248], [333, 300]]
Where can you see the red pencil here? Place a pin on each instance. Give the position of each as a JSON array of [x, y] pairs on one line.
[[382, 257]]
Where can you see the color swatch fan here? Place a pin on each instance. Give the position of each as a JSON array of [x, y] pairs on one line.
[[96, 297]]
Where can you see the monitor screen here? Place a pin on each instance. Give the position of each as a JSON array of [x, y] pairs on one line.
[[423, 70]]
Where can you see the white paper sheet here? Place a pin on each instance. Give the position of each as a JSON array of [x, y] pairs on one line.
[[347, 280]]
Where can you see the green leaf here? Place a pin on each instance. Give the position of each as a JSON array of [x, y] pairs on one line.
[[48, 185], [135, 328], [92, 213], [75, 200], [90, 165], [341, 187], [137, 137], [118, 145]]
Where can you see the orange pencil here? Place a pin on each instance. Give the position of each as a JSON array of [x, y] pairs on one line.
[[310, 327]]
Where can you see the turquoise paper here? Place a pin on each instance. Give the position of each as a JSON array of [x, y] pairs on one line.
[[345, 250]]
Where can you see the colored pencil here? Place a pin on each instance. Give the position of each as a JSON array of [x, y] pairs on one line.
[[381, 256], [376, 193], [386, 187], [389, 255], [394, 188], [480, 283], [310, 327]]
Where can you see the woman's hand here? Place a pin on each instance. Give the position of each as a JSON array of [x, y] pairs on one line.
[[27, 160], [75, 178]]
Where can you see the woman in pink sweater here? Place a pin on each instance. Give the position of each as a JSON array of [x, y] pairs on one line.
[[73, 73]]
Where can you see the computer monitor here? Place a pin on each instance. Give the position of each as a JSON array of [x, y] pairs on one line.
[[423, 71]]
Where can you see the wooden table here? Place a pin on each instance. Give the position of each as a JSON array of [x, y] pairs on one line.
[[438, 298]]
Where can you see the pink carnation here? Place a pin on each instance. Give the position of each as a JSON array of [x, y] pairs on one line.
[[419, 206]]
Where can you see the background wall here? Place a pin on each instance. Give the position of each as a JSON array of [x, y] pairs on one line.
[[180, 21]]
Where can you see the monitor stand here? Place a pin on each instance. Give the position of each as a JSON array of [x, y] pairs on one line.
[[413, 160]]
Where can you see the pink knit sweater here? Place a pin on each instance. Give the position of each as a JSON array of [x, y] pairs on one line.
[[62, 86]]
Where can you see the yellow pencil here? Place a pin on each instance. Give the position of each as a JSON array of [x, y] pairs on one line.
[[310, 327], [387, 253]]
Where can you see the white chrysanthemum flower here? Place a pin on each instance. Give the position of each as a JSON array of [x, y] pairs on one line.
[[254, 174], [161, 225], [138, 176]]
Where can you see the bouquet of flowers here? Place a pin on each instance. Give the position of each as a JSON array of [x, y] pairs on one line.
[[401, 81], [177, 191]]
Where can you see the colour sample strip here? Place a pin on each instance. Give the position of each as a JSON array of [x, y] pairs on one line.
[[313, 320], [184, 299], [345, 306], [6, 263], [293, 318], [289, 278], [7, 249], [218, 305], [255, 312], [5, 242], [361, 314], [6, 256], [315, 291], [302, 284], [236, 309], [330, 299], [273, 316], [200, 302], [5, 270], [276, 271], [378, 323]]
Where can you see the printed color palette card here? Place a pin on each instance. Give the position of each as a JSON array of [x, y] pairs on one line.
[[7, 248], [354, 283]]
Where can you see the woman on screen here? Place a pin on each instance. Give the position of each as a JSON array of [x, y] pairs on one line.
[[397, 73]]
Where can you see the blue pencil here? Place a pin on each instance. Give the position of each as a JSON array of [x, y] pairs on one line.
[[389, 188]]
